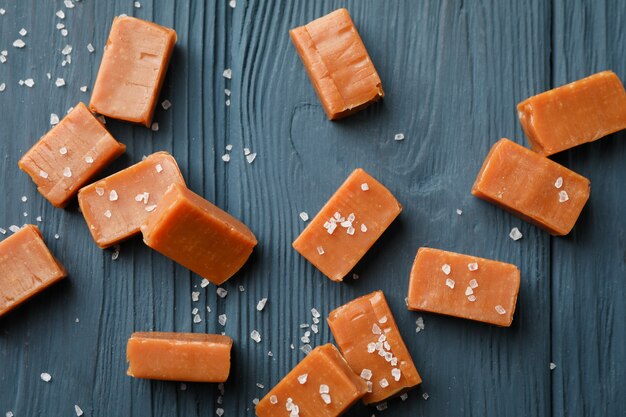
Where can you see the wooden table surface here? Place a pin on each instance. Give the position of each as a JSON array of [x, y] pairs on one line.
[[453, 72]]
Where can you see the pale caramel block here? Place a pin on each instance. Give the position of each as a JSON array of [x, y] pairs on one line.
[[532, 187], [463, 286], [338, 64], [321, 385], [116, 206], [70, 155], [198, 235], [348, 225], [576, 113], [28, 267], [191, 357], [133, 69], [369, 339]]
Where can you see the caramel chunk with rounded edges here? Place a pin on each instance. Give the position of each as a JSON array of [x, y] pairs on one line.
[[369, 339], [132, 70], [70, 155], [191, 357], [116, 206], [463, 286], [28, 267], [348, 225], [321, 385], [576, 113], [338, 64], [198, 235], [532, 187]]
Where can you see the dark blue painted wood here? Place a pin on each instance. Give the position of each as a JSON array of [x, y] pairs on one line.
[[452, 71]]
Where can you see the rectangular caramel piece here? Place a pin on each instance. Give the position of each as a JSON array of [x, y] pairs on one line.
[[191, 357], [532, 187], [70, 155], [116, 206], [133, 69], [198, 235], [348, 225], [338, 64], [321, 385], [463, 286], [369, 339], [573, 114], [28, 267]]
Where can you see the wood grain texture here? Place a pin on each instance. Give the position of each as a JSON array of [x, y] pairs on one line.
[[453, 72]]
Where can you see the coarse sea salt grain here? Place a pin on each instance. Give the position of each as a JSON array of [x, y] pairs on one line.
[[396, 374], [78, 410], [261, 304], [2, 12], [320, 250], [419, 324], [221, 292], [559, 182], [60, 82], [222, 319], [446, 269], [83, 89], [204, 283], [19, 43], [113, 195], [43, 174], [425, 396], [250, 158], [469, 291], [195, 296], [29, 82], [158, 168], [45, 377], [552, 366], [107, 214], [273, 399], [303, 378], [450, 282], [473, 283], [226, 157], [14, 228], [515, 234], [151, 208], [471, 298], [137, 5], [563, 196], [155, 127], [228, 73], [255, 335], [459, 211], [100, 191], [197, 319], [399, 136], [67, 49], [363, 228], [383, 383], [3, 86], [472, 266], [54, 119], [366, 374], [232, 4], [304, 216], [500, 310], [90, 48], [23, 32], [67, 172], [63, 150], [24, 199]]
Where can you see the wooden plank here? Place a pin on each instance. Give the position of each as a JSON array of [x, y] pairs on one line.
[[588, 267]]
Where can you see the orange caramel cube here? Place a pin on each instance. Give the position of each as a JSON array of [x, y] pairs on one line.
[[338, 64], [191, 357], [28, 267], [133, 69], [116, 206], [70, 155], [198, 235], [369, 339], [576, 113], [463, 286], [348, 225], [532, 187], [321, 385]]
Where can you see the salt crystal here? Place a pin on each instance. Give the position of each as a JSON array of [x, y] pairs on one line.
[[90, 48], [459, 211], [100, 191], [232, 4], [228, 73], [250, 158], [67, 172], [222, 319], [29, 82], [151, 208], [63, 150], [228, 102], [166, 104], [155, 127], [137, 5], [304, 216], [46, 377], [383, 383], [23, 32], [366, 374], [195, 295], [425, 396], [2, 12], [221, 292], [229, 147], [419, 323], [396, 374], [383, 320], [116, 253], [515, 234], [320, 250], [89, 159], [563, 197], [226, 157], [19, 43], [469, 291], [204, 283], [273, 399], [3, 86], [56, 236], [363, 228], [255, 335], [24, 199], [450, 282], [471, 298], [552, 366], [399, 136], [376, 329], [404, 396], [326, 398], [500, 310], [60, 14], [158, 168], [324, 389], [60, 26], [371, 347], [218, 411], [43, 174], [83, 89], [473, 266], [4, 232], [67, 49], [197, 319], [559, 182], [107, 214], [446, 269], [14, 228], [350, 231], [68, 4], [78, 410], [64, 32], [261, 304], [473, 283], [54, 119], [60, 82], [113, 195]]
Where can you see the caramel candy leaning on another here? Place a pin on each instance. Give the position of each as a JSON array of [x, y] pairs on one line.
[[191, 357], [116, 206], [532, 187], [369, 339], [28, 267], [348, 225], [338, 64], [576, 113], [198, 235], [70, 155], [321, 385], [133, 69], [463, 286]]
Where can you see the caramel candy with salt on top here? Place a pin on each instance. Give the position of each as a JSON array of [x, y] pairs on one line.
[[133, 69], [198, 235], [532, 187], [369, 339], [580, 112], [463, 286], [70, 155], [191, 357], [28, 267], [338, 64], [321, 385], [348, 225], [116, 206]]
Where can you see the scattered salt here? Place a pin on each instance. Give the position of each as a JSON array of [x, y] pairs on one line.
[[473, 266], [255, 335], [232, 4], [273, 399], [459, 211], [14, 228], [226, 157], [68, 4], [38, 219], [90, 48], [396, 374], [100, 191], [320, 250], [23, 32], [471, 298], [60, 14], [552, 366], [383, 383], [404, 396], [446, 269], [54, 119], [221, 292], [450, 282], [197, 319], [3, 86], [222, 319], [425, 395], [366, 374], [155, 127], [56, 236], [113, 195], [107, 214], [158, 168], [60, 82], [500, 310], [563, 197], [19, 43], [419, 324], [67, 172], [46, 377], [261, 304], [228, 73], [559, 182], [83, 89], [137, 5], [304, 216], [469, 291], [166, 104], [365, 187], [29, 82], [78, 410], [399, 136], [473, 283], [43, 174], [67, 49], [151, 208], [24, 199], [195, 296], [381, 406], [116, 253], [204, 283], [250, 158], [302, 378], [376, 329]]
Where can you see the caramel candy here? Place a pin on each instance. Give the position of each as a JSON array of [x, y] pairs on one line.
[[191, 357], [348, 225], [116, 206], [573, 114], [28, 267], [369, 339], [338, 64], [321, 385], [198, 235], [532, 187], [463, 286], [133, 69], [70, 155]]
